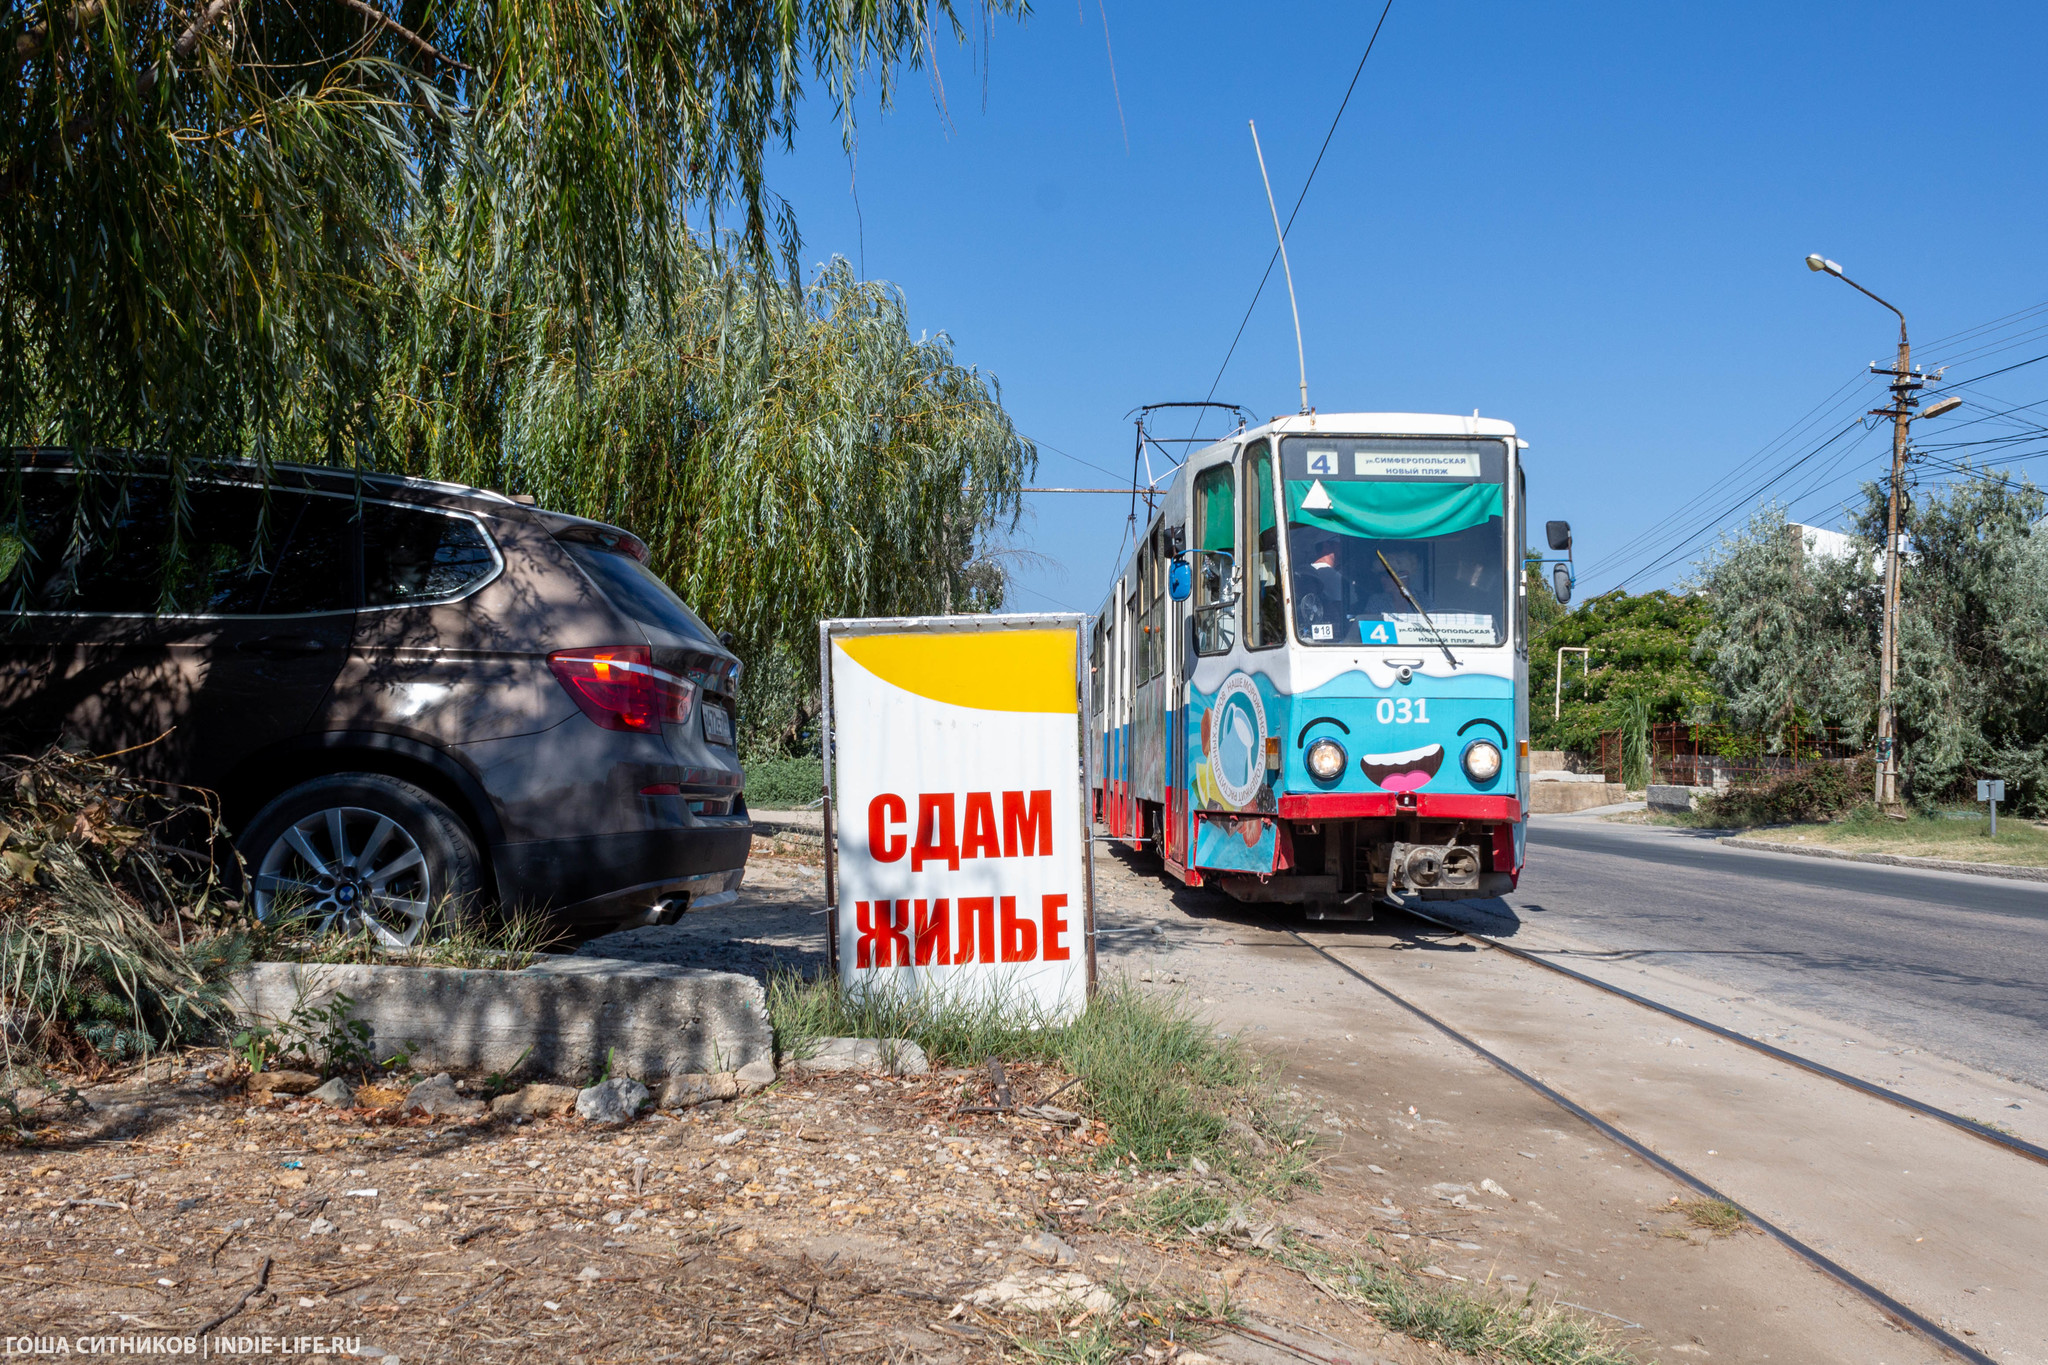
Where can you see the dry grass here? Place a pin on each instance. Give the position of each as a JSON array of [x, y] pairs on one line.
[[1715, 1217], [2020, 843]]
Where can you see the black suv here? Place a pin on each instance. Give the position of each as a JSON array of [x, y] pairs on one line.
[[406, 694]]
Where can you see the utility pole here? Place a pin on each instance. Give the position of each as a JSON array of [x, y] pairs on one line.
[[1903, 386]]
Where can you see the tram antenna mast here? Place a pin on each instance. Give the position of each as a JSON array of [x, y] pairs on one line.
[[1300, 356]]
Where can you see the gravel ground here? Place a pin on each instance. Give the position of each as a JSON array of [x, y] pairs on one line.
[[832, 1218]]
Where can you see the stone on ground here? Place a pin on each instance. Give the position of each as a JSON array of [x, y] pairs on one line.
[[755, 1075], [892, 1056], [283, 1082], [614, 1101], [337, 1092], [1046, 1247], [688, 1091], [535, 1101], [439, 1096], [1045, 1291]]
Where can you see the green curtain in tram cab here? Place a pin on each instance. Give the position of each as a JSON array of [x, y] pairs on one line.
[[1395, 511], [1215, 510]]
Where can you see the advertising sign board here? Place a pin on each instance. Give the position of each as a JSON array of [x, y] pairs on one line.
[[956, 831]]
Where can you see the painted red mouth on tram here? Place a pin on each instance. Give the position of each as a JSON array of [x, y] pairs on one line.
[[1407, 771]]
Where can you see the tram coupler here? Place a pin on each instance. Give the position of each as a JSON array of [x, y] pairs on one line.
[[1433, 867]]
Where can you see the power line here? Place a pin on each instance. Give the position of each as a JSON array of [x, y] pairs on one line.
[[1272, 260], [1646, 540], [1999, 334], [1703, 529]]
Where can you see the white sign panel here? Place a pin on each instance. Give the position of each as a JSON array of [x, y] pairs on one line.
[[958, 803], [1417, 464]]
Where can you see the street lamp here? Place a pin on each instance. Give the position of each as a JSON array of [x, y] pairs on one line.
[[1903, 385]]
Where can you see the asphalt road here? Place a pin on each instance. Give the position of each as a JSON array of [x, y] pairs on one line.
[[1954, 964]]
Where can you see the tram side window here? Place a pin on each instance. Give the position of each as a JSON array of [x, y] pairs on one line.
[[1264, 612], [1215, 554], [1097, 678], [1159, 600], [1151, 640]]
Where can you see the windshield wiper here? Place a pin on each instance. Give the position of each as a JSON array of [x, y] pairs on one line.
[[1418, 608]]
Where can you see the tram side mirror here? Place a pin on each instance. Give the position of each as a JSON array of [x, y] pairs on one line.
[[1176, 541], [1180, 581], [1561, 582], [1560, 534]]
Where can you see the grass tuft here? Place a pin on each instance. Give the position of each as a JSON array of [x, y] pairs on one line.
[[507, 942], [1716, 1216], [1474, 1321]]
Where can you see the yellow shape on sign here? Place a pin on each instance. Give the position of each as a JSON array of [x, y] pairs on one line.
[[989, 670]]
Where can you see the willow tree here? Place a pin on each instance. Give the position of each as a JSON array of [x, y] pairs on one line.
[[787, 456], [224, 226]]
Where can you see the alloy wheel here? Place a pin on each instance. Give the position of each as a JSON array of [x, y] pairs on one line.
[[348, 870]]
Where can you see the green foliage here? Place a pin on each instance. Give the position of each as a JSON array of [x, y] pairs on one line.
[[328, 1036], [1972, 686], [787, 458], [1642, 657], [1825, 791], [460, 248], [1795, 637], [212, 220], [1793, 640], [783, 783]]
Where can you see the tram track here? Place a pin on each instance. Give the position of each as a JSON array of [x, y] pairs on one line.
[[1899, 1313], [2016, 1145]]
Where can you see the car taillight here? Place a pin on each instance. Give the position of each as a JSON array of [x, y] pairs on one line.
[[620, 688]]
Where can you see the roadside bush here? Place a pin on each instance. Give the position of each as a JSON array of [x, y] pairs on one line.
[[1826, 791], [114, 932], [784, 783]]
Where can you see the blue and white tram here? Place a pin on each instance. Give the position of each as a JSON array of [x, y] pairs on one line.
[[1311, 678]]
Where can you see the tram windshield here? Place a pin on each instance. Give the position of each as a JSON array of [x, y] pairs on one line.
[[1374, 522]]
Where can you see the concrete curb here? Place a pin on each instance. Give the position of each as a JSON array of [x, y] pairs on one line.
[[796, 827], [655, 1020], [2003, 870]]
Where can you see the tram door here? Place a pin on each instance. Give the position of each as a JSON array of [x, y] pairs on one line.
[[1209, 636]]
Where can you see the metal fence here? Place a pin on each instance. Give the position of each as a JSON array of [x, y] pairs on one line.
[[1716, 756]]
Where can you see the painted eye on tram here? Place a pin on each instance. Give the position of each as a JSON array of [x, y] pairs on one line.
[[1325, 759], [1482, 761]]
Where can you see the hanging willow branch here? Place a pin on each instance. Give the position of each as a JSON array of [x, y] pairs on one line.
[[229, 230]]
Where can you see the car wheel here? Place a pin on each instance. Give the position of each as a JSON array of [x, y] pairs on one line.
[[363, 853]]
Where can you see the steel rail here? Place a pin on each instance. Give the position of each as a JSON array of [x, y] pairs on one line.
[[1885, 1303], [2015, 1145]]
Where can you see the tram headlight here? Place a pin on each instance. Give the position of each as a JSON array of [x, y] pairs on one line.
[[1326, 759], [1482, 760]]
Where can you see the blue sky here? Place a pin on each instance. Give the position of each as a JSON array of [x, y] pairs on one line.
[[1587, 219]]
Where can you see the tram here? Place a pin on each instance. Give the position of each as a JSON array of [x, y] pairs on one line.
[[1310, 680]]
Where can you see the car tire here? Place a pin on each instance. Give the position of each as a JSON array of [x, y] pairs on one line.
[[364, 852]]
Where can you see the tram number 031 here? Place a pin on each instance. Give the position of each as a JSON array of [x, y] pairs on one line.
[[1404, 711]]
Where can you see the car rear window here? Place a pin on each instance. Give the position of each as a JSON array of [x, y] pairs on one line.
[[411, 554], [635, 590]]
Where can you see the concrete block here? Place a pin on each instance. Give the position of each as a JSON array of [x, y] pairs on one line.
[[1562, 798], [1675, 798], [561, 1019]]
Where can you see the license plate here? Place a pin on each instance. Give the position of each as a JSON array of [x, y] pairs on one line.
[[717, 725]]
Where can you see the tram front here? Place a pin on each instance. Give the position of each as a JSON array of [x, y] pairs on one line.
[[1381, 748]]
